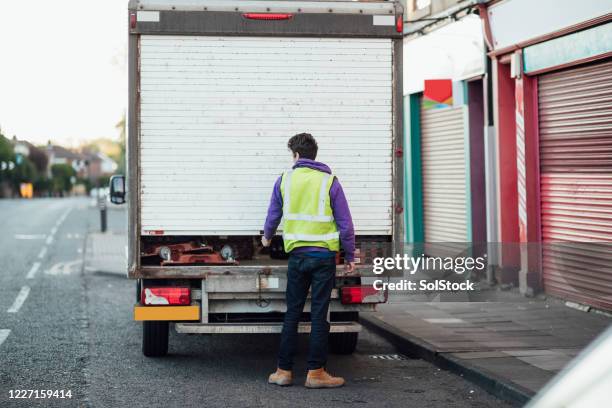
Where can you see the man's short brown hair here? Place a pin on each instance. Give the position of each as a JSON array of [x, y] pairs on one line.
[[305, 145]]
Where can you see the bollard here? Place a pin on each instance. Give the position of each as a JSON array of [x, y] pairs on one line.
[[103, 215]]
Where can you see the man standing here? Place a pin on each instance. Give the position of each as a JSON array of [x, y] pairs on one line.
[[316, 220]]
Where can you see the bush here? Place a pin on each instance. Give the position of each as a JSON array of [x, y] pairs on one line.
[[42, 186], [62, 174]]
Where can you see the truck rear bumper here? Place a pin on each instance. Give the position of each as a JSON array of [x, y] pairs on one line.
[[265, 328]]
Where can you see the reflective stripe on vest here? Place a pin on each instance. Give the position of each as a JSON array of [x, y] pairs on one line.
[[312, 237], [323, 193], [287, 193], [313, 218]]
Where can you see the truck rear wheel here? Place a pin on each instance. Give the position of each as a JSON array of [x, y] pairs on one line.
[[343, 343], [155, 339]]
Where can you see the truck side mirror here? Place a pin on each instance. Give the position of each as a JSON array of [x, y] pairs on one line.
[[117, 189]]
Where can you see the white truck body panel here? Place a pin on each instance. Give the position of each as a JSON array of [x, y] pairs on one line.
[[216, 113]]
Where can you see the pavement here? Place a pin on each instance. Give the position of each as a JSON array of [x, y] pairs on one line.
[[511, 346], [66, 324]]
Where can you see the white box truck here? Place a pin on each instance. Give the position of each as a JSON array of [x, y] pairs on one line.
[[216, 88]]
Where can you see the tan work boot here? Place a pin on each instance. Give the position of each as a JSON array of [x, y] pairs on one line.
[[281, 377], [321, 379]]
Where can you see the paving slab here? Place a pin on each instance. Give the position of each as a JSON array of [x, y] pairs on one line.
[[107, 253]]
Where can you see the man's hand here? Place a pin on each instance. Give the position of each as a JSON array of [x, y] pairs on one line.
[[349, 267], [265, 242]]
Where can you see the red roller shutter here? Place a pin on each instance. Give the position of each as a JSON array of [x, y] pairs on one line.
[[576, 183]]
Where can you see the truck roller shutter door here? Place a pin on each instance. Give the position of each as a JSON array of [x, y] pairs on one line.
[[444, 175], [575, 119], [216, 114]]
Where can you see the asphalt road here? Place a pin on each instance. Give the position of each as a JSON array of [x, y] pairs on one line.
[[63, 327]]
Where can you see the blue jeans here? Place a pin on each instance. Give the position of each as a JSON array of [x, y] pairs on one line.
[[304, 272]]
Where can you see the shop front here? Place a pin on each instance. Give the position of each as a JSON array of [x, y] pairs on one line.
[[553, 107]]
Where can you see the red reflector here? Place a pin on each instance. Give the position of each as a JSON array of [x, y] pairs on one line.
[[267, 16], [362, 294], [133, 20], [399, 26], [165, 296]]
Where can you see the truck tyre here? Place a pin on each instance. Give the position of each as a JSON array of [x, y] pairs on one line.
[[138, 289], [155, 339], [343, 343]]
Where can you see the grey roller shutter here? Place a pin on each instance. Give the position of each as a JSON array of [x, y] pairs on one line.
[[444, 172]]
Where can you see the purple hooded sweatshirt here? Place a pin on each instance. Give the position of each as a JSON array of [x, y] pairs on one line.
[[339, 205]]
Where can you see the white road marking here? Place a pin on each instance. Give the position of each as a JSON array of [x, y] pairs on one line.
[[388, 356], [58, 223], [445, 320], [4, 333], [30, 236], [63, 217], [21, 297], [42, 252], [63, 268], [33, 270]]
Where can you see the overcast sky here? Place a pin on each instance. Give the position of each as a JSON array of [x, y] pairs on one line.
[[63, 73]]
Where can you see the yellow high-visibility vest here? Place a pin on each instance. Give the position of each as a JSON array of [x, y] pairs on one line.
[[308, 219]]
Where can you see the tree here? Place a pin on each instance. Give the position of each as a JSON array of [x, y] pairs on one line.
[[39, 158], [23, 169], [6, 149], [25, 172], [6, 155]]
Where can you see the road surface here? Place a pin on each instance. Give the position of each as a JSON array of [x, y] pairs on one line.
[[67, 328]]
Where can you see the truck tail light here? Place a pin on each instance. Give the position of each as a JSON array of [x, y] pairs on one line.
[[165, 296], [362, 294], [267, 16], [399, 24]]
